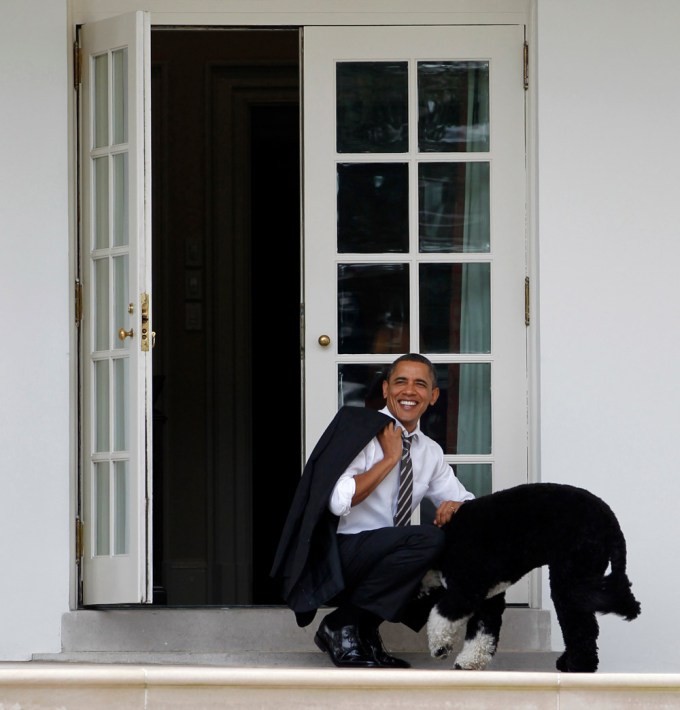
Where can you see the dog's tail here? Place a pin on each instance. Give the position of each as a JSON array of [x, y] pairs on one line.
[[615, 596], [614, 593]]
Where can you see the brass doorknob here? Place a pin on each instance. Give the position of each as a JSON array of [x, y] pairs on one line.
[[122, 333], [324, 341]]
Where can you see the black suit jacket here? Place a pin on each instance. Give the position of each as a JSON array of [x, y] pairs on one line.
[[307, 562]]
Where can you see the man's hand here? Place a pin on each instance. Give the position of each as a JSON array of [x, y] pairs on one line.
[[446, 511], [391, 443]]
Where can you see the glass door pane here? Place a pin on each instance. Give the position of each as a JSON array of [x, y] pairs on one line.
[[373, 308], [373, 208], [372, 107], [453, 106]]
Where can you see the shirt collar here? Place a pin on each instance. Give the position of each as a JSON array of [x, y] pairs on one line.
[[409, 435]]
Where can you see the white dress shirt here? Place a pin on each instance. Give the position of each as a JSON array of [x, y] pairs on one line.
[[433, 478]]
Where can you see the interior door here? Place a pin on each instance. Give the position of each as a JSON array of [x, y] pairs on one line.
[[117, 336], [414, 194]]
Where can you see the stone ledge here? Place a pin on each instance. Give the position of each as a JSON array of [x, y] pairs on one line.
[[148, 687]]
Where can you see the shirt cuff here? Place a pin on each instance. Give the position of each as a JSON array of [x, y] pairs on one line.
[[341, 499]]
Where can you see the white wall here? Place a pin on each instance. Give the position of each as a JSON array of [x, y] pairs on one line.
[[608, 121], [34, 292], [609, 235]]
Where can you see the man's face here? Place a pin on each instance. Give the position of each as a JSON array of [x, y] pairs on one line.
[[409, 392]]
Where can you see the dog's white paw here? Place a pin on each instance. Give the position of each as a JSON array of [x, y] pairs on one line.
[[477, 653], [444, 635]]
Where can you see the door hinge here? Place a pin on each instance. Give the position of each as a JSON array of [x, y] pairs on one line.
[[77, 64], [78, 301], [526, 65], [79, 540], [527, 302]]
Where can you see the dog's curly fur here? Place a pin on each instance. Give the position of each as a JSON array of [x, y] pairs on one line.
[[493, 541]]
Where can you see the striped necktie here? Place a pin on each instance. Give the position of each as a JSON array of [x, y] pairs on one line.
[[405, 496]]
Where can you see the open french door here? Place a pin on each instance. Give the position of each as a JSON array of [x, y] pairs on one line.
[[115, 247], [414, 174]]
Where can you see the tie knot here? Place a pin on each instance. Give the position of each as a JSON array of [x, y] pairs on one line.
[[406, 441]]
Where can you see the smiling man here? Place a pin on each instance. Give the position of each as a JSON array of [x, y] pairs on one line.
[[347, 542]]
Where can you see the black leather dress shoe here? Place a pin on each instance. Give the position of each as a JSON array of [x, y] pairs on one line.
[[344, 647], [373, 643]]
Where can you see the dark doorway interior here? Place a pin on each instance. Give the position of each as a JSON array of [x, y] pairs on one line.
[[226, 306]]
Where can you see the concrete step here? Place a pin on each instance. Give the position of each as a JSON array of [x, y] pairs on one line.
[[264, 637], [263, 629]]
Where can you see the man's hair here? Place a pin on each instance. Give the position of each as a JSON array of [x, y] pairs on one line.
[[412, 357]]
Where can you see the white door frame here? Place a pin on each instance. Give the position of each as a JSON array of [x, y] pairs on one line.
[[369, 12]]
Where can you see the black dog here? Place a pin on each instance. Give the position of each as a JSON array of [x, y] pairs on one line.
[[493, 541]]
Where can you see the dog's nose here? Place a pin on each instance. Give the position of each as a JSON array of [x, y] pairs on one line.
[[441, 652]]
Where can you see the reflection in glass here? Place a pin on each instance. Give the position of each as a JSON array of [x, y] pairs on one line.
[[455, 308], [101, 389], [361, 385], [453, 207], [459, 421], [120, 199], [121, 315], [119, 65], [372, 107], [102, 328], [102, 507], [120, 403], [101, 203], [453, 106], [373, 208], [475, 477], [373, 308], [121, 525], [101, 101]]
